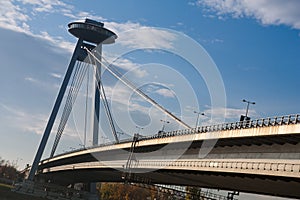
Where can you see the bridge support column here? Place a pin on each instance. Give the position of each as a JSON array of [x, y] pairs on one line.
[[97, 98], [92, 32], [54, 112]]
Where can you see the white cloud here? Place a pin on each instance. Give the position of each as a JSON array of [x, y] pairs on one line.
[[56, 41], [149, 37], [25, 121], [123, 101], [165, 92], [216, 40], [46, 5], [123, 97], [81, 15], [55, 75], [12, 17], [16, 18], [43, 84], [30, 122], [231, 114], [268, 12], [120, 95], [30, 79], [161, 89], [128, 66], [139, 36]]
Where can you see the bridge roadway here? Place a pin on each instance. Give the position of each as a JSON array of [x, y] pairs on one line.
[[261, 156]]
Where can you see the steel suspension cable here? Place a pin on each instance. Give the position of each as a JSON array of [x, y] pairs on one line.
[[108, 113], [73, 91], [100, 87], [77, 80], [60, 127], [138, 91], [86, 105], [69, 97]]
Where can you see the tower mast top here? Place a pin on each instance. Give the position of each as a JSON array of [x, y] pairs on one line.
[[92, 31]]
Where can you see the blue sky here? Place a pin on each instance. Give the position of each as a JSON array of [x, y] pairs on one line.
[[254, 44]]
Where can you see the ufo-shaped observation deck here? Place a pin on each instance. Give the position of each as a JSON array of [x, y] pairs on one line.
[[92, 31]]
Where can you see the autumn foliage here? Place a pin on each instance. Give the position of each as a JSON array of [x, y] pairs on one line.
[[7, 170], [120, 191]]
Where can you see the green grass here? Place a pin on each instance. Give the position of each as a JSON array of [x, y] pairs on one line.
[[5, 186], [7, 194]]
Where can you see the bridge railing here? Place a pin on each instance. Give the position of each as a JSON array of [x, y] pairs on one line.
[[263, 122]]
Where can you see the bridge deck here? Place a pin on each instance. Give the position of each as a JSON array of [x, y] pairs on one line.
[[261, 159]]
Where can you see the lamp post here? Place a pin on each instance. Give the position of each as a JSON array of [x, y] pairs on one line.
[[247, 109], [164, 123], [198, 113]]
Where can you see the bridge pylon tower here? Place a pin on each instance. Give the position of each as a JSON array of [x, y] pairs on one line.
[[91, 34]]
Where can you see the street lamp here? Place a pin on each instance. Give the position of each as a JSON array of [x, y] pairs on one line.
[[248, 103], [164, 123], [198, 113]]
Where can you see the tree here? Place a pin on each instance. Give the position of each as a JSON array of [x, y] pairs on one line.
[[8, 171], [120, 191], [193, 193]]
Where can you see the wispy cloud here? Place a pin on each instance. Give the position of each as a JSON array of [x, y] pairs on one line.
[[275, 12], [47, 5], [42, 83], [14, 18], [136, 35], [231, 114], [126, 98], [55, 75], [19, 20], [212, 41], [165, 93], [59, 42], [23, 120], [81, 15], [31, 122], [148, 37], [129, 66], [30, 79], [129, 110]]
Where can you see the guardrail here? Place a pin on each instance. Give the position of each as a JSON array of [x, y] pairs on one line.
[[288, 169], [263, 122]]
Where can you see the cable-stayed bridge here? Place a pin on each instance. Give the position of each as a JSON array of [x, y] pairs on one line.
[[259, 156]]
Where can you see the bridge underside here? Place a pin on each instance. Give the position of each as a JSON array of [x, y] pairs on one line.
[[269, 185]]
